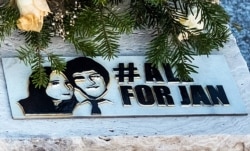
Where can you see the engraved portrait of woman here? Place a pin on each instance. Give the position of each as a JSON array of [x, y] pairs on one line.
[[57, 97]]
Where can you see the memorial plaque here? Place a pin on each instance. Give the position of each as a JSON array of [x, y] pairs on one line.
[[126, 86]]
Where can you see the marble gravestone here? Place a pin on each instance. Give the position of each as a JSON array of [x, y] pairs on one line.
[[210, 132]]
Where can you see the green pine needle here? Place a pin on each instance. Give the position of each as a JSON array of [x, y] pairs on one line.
[[100, 23], [8, 17], [56, 62], [39, 76]]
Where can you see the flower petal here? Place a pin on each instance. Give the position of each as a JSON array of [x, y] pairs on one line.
[[32, 13], [42, 6], [29, 22]]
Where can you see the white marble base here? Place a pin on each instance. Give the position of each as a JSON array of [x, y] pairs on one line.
[[131, 143], [161, 133]]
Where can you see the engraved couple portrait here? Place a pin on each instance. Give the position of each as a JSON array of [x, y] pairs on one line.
[[84, 82]]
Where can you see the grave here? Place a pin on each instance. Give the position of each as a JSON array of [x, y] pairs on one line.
[[221, 123], [225, 132]]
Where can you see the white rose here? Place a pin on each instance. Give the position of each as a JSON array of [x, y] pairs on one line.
[[192, 22], [32, 13]]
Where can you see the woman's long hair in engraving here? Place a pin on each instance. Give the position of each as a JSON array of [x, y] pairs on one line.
[[38, 102]]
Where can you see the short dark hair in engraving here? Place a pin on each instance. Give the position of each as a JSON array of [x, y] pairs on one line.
[[85, 64], [90, 78]]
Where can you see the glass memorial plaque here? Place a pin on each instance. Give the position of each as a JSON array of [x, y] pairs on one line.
[[126, 86]]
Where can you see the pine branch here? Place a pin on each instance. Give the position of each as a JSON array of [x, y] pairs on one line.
[[8, 17], [97, 30], [56, 62], [98, 26], [39, 76], [39, 40], [112, 24], [32, 56], [144, 13], [216, 20], [26, 54], [159, 50], [214, 16], [106, 38], [85, 24], [164, 19], [100, 2], [85, 45], [119, 21], [82, 33], [181, 59]]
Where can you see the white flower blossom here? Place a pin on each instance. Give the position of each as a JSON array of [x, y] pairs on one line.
[[193, 21], [32, 13]]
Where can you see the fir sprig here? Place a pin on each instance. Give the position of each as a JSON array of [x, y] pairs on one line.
[[99, 23], [163, 17], [106, 37], [31, 54], [159, 50], [181, 59], [26, 54], [8, 17], [39, 76], [33, 57], [38, 40], [98, 29], [81, 34], [57, 63]]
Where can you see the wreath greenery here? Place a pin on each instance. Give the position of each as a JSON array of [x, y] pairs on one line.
[[181, 29]]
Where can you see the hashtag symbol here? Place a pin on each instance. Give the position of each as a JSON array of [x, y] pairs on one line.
[[129, 72]]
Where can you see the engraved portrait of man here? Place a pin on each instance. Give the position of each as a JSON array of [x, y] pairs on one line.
[[90, 80]]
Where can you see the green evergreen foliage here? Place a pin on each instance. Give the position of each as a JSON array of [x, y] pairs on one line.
[[8, 17], [33, 57], [56, 62], [38, 40], [165, 47], [39, 76], [95, 28]]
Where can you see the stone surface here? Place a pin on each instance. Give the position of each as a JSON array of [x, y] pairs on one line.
[[238, 11], [149, 133], [131, 143], [209, 73], [210, 133]]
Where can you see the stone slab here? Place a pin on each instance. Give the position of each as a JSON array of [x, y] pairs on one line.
[[213, 71], [185, 133]]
